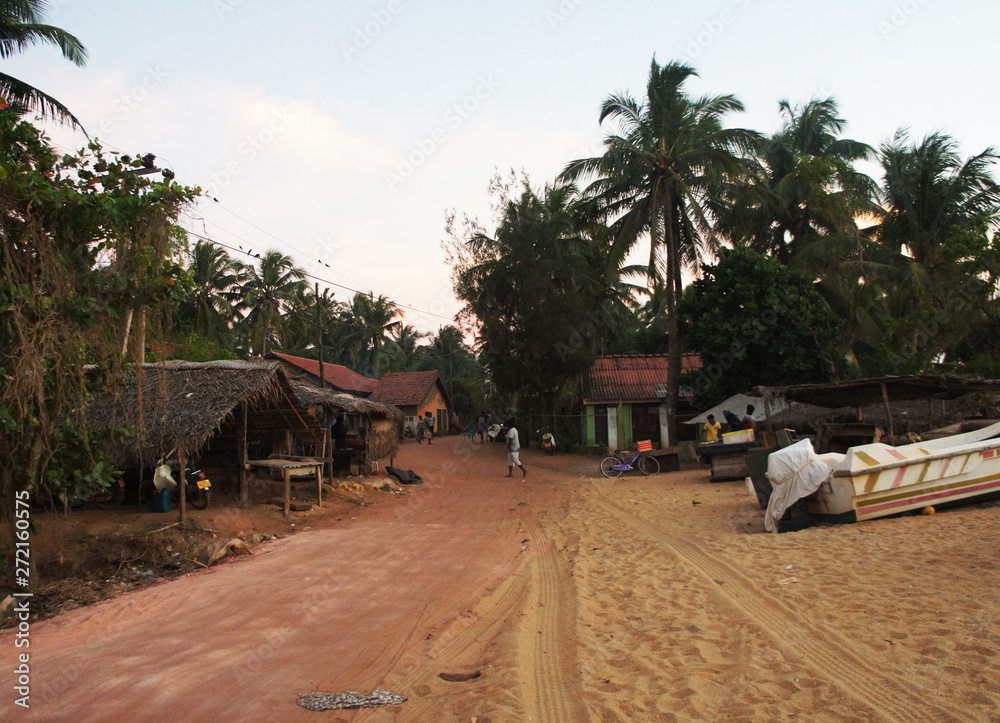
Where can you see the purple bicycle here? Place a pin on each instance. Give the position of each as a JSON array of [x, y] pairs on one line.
[[614, 464]]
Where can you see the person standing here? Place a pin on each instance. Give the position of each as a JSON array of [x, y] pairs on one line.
[[430, 427], [513, 448], [712, 429], [748, 421], [481, 427]]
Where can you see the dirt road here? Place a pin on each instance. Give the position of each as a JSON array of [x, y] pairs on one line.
[[576, 599]]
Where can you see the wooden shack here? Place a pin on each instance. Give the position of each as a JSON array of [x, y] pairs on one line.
[[232, 410]]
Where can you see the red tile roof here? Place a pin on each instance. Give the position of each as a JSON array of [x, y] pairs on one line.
[[335, 375], [404, 389], [631, 377]]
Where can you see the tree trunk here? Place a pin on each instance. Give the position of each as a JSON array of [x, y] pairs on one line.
[[670, 243]]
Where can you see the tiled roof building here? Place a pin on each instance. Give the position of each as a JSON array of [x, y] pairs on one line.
[[335, 376]]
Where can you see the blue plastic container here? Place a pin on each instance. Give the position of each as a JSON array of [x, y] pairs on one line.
[[162, 500]]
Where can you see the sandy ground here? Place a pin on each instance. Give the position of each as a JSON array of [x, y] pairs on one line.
[[575, 597]]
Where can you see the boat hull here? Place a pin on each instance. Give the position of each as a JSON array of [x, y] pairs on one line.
[[877, 481]]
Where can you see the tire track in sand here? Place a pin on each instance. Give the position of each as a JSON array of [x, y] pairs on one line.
[[537, 602], [547, 647], [827, 652], [461, 645]]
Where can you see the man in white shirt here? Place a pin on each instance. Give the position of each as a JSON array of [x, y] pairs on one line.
[[513, 447]]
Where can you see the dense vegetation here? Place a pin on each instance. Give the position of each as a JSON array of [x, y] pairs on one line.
[[806, 268], [797, 266]]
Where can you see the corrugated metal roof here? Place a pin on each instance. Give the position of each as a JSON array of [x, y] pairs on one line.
[[335, 375], [631, 377]]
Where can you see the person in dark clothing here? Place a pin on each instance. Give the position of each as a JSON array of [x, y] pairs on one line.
[[339, 432]]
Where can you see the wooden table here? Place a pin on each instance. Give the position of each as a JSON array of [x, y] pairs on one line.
[[286, 466]]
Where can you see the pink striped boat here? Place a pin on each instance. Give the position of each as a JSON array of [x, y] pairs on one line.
[[876, 480]]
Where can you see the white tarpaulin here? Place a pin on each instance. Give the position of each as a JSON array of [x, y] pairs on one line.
[[795, 472]]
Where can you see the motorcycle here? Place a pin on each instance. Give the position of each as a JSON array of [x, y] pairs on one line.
[[549, 443], [197, 487]]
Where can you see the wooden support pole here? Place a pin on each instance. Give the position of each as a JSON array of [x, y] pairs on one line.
[[328, 441], [286, 474], [319, 484], [888, 411], [241, 470], [181, 485]]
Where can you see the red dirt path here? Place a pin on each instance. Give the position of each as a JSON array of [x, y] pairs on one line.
[[327, 610]]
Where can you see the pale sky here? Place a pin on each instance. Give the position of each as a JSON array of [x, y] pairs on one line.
[[346, 129]]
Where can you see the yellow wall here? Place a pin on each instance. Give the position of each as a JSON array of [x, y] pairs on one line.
[[436, 406]]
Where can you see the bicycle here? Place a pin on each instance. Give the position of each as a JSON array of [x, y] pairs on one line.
[[614, 464]]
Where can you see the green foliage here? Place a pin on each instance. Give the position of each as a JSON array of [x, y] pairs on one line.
[[21, 26], [534, 291], [754, 322], [87, 247]]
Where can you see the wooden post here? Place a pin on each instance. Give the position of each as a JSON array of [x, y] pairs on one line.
[[181, 484], [319, 484], [325, 443], [888, 411], [241, 471], [286, 474]]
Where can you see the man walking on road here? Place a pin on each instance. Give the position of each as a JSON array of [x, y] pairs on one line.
[[513, 447]]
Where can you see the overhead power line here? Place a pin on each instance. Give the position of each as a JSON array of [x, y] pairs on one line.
[[248, 252]]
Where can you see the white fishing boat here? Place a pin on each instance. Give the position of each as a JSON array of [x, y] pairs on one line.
[[876, 480]]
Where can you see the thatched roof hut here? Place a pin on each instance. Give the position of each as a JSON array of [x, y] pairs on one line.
[[181, 405], [383, 438], [311, 395]]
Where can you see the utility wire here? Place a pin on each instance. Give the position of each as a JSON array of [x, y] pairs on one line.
[[316, 278], [268, 233]]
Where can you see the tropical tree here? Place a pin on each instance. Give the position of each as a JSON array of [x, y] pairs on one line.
[[654, 177], [213, 301], [376, 319], [20, 27], [402, 353], [460, 370], [937, 230], [754, 322], [805, 185], [77, 259], [534, 293], [268, 292]]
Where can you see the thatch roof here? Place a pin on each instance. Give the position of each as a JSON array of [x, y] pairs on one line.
[[859, 392], [180, 405], [911, 416], [311, 395]]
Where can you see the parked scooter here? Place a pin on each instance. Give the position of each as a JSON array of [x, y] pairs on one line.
[[197, 488], [549, 443]]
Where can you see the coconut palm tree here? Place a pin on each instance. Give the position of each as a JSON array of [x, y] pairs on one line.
[[940, 211], [654, 176], [268, 292], [805, 185], [402, 353], [20, 27], [377, 318], [216, 295]]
